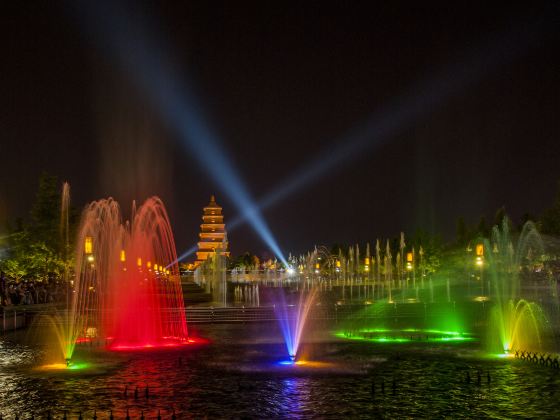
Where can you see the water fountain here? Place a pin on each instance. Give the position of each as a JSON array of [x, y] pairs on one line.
[[515, 323], [293, 317], [126, 287]]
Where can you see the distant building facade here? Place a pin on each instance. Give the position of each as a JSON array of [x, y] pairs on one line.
[[212, 236]]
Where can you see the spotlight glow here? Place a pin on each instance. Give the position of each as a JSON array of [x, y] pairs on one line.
[[133, 43], [420, 100]]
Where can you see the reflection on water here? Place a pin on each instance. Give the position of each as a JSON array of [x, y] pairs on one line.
[[193, 383]]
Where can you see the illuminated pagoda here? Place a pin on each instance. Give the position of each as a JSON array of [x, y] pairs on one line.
[[212, 232]]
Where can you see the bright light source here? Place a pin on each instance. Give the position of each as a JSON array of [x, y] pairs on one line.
[[88, 245], [290, 271], [479, 250]]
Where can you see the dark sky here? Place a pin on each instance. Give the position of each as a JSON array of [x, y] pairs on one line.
[[280, 83]]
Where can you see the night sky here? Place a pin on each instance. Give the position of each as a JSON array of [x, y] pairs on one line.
[[281, 84]]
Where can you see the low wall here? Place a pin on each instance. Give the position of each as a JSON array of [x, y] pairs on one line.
[[12, 319]]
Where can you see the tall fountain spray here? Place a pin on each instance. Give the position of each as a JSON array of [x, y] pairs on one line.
[[293, 316], [127, 286], [515, 323]]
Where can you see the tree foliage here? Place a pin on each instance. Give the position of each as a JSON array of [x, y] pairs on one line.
[[550, 220], [33, 250]]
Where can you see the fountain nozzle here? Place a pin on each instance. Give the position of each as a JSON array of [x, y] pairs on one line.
[[293, 357], [67, 362]]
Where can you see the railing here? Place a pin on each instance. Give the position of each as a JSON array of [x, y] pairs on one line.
[[12, 320], [208, 315], [230, 315]]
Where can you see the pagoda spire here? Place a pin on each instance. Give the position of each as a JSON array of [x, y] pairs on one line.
[[213, 235]]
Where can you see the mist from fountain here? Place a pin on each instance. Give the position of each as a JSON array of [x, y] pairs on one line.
[[126, 288], [293, 317], [515, 323]]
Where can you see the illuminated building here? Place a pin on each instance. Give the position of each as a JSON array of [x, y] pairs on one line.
[[212, 232]]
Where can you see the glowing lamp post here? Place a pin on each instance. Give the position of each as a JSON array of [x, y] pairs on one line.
[[366, 265], [337, 268], [88, 248], [409, 260], [88, 245], [317, 267], [479, 261], [123, 256], [479, 250]]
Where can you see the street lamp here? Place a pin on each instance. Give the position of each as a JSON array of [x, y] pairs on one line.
[[88, 245], [479, 251], [409, 260], [479, 254], [88, 248]]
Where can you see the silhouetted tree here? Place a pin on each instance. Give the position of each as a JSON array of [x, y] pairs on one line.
[[482, 228], [550, 220], [33, 249], [500, 215], [462, 231], [45, 213], [526, 217], [431, 247]]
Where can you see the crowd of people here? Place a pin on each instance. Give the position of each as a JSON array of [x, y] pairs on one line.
[[30, 292]]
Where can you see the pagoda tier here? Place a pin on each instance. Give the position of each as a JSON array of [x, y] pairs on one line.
[[212, 236], [212, 218], [212, 232], [211, 227]]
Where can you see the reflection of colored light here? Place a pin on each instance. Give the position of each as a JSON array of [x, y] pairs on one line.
[[392, 336], [501, 355], [166, 342], [62, 366]]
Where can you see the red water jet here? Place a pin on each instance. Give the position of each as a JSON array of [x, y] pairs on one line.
[[128, 288]]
